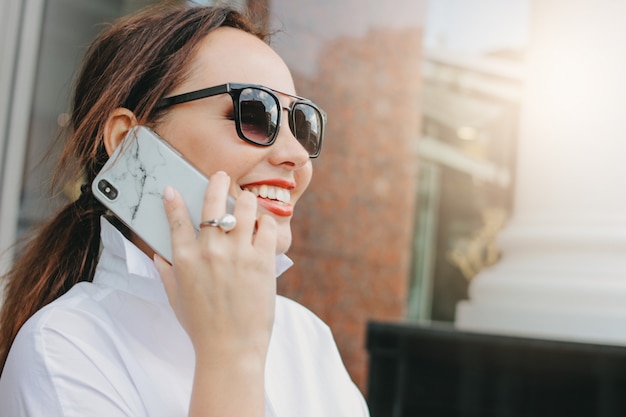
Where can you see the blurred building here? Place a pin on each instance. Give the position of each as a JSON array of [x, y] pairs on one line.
[[563, 268], [542, 329], [470, 118]]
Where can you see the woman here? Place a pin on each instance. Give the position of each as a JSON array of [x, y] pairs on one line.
[[125, 333]]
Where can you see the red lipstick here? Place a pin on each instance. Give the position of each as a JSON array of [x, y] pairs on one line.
[[274, 206]]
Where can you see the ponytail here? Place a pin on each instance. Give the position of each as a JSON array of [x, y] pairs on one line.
[[64, 252]]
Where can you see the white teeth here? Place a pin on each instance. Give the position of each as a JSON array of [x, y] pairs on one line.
[[271, 192], [283, 195]]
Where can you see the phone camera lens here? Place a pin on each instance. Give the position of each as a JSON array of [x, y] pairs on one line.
[[107, 189]]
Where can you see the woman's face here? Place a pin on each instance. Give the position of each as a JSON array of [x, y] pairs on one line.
[[204, 130]]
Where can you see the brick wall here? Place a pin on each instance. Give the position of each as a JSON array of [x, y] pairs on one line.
[[353, 228]]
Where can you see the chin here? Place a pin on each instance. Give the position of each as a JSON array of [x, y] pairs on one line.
[[283, 242]]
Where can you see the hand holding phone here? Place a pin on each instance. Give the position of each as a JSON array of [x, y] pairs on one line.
[[132, 181]]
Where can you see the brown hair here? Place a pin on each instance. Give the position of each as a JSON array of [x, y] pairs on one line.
[[132, 64]]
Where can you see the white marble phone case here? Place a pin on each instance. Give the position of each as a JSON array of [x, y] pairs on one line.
[[131, 185]]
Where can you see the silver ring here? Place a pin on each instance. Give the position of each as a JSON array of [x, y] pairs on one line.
[[227, 222]]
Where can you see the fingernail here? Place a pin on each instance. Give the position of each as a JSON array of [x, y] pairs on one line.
[[168, 193], [220, 173]]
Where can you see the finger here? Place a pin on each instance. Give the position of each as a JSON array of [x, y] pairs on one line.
[[267, 233], [214, 205], [245, 213], [181, 229]]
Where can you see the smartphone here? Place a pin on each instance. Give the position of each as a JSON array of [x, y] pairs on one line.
[[132, 181]]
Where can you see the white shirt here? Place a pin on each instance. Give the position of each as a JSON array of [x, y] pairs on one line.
[[114, 348]]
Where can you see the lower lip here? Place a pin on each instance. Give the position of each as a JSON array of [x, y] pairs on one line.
[[279, 209]]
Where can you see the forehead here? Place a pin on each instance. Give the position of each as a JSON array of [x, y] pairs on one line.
[[232, 55]]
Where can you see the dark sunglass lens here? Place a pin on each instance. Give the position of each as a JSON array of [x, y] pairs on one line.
[[306, 126], [258, 115]]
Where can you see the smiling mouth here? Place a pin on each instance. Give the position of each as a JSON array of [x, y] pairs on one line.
[[270, 192]]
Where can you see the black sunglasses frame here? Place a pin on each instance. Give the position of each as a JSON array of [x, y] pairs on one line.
[[234, 90]]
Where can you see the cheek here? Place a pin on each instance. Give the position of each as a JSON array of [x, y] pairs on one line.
[[209, 147], [304, 175], [205, 159]]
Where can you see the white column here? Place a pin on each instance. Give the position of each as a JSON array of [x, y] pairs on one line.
[[19, 54], [563, 270]]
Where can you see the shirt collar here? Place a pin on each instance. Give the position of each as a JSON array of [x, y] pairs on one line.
[[138, 263]]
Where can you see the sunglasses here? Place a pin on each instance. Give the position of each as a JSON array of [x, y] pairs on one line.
[[258, 114]]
